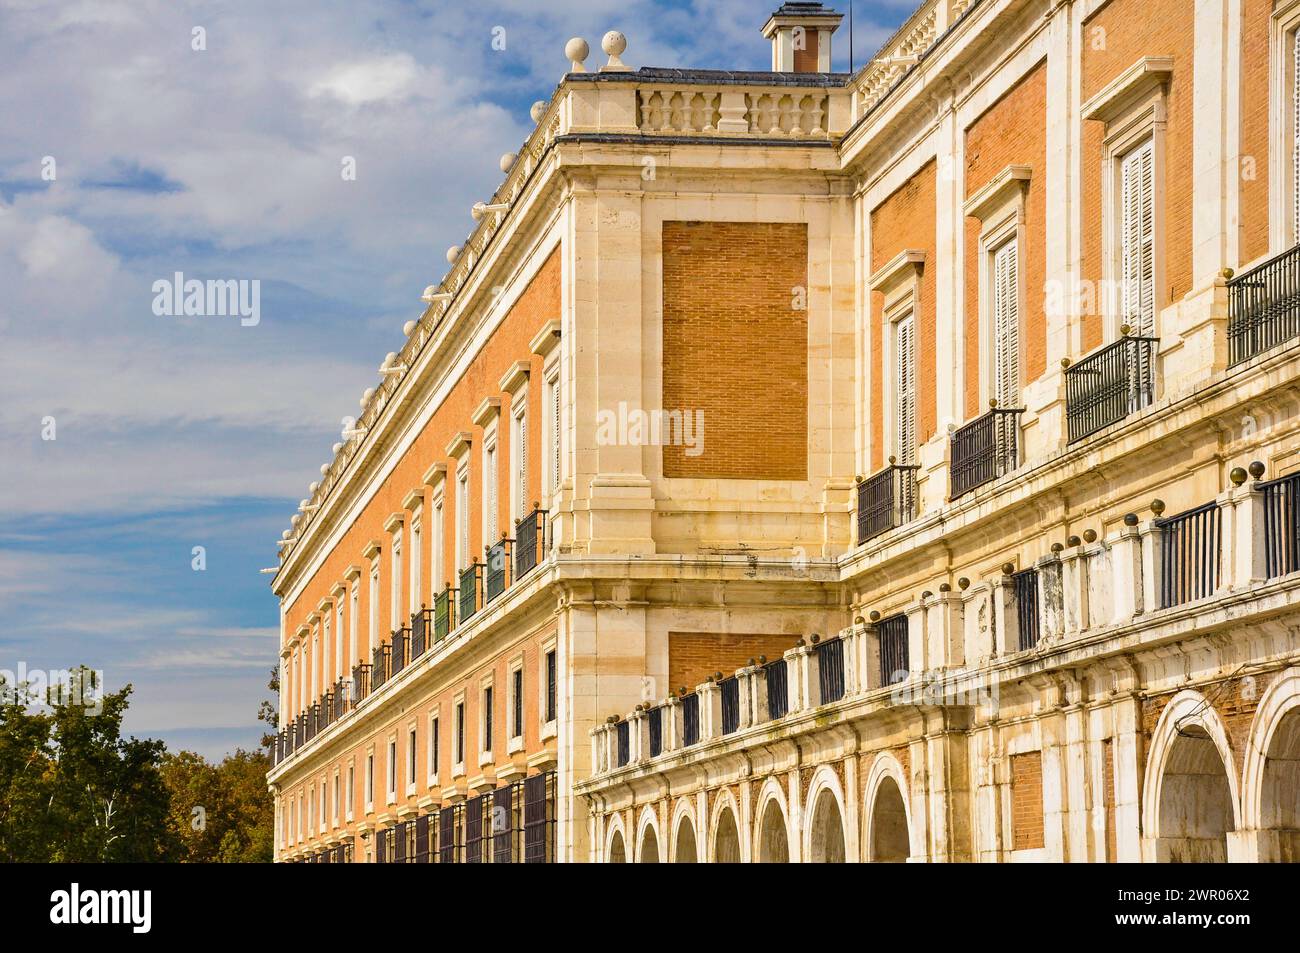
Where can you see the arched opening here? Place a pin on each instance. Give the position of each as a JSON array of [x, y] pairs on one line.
[[889, 840], [617, 855], [649, 853], [684, 852], [1280, 792], [773, 840], [726, 846], [826, 844], [1195, 801]]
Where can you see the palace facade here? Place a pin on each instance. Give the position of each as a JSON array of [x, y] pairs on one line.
[[809, 466]]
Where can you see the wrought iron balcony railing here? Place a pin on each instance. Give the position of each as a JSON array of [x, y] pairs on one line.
[[985, 449], [894, 658], [443, 604], [1264, 307], [397, 652], [421, 627], [1107, 386], [1281, 525], [778, 691], [530, 539], [1025, 585], [467, 598], [830, 669], [1190, 544], [379, 661], [624, 736], [496, 570], [886, 499], [690, 718], [655, 723], [729, 689]]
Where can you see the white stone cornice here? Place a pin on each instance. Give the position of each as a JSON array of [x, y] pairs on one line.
[[903, 265], [435, 474], [394, 522], [460, 444], [353, 572], [547, 339], [515, 377], [1128, 87], [371, 550], [486, 411], [995, 194], [413, 500]]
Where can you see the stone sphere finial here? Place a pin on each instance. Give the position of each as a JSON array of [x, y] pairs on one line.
[[577, 51], [538, 110], [614, 43]]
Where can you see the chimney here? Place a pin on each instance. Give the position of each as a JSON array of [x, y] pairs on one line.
[[801, 37]]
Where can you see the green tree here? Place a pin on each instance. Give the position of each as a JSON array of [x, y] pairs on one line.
[[221, 813], [74, 789]]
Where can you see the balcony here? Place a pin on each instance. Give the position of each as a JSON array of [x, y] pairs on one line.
[[1025, 587], [894, 657], [442, 614], [624, 733], [655, 721], [1264, 307], [985, 449], [830, 669], [690, 719], [467, 593], [730, 691], [1281, 525], [397, 651], [778, 690], [421, 626], [379, 661], [497, 569], [530, 538], [886, 500], [1189, 554], [1107, 386]]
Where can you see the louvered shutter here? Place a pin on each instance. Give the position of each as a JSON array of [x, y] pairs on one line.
[[521, 476], [555, 436], [1295, 138], [492, 483], [1138, 239], [905, 377], [1006, 326]]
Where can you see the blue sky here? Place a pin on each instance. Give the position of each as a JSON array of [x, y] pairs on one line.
[[177, 432]]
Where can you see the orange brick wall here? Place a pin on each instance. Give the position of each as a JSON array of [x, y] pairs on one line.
[[1114, 38], [1012, 132], [1027, 800], [1108, 796], [694, 656], [805, 60], [1254, 127], [736, 347], [539, 303], [906, 219]]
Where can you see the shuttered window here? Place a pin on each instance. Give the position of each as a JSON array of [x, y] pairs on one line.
[[905, 381], [1006, 326], [521, 465], [462, 521], [555, 435], [1295, 138], [490, 509], [1137, 226]]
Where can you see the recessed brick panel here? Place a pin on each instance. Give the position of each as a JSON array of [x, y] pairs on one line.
[[735, 346], [694, 656], [1027, 800]]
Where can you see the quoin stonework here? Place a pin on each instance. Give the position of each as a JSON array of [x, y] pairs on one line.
[[991, 551]]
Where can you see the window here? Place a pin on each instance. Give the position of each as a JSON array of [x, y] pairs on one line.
[[315, 667], [463, 557], [373, 639], [550, 685], [370, 780], [905, 388], [414, 588], [321, 808], [334, 810], [553, 431], [487, 720], [435, 748], [354, 615], [517, 703], [392, 769], [1137, 238], [410, 757], [519, 458], [438, 575], [490, 494], [326, 642], [351, 789], [460, 734], [340, 640], [1005, 281], [1295, 137], [395, 598]]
